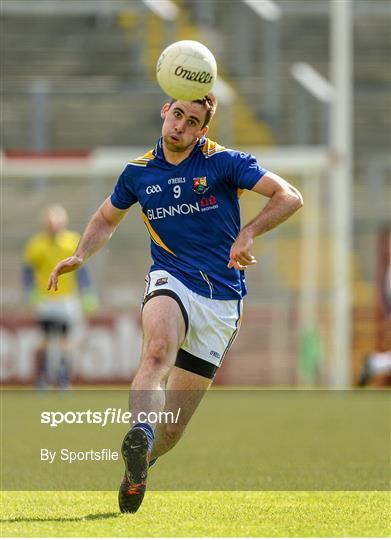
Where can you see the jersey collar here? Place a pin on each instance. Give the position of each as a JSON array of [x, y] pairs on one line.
[[158, 150]]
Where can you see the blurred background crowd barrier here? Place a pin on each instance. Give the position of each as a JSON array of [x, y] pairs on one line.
[[79, 99]]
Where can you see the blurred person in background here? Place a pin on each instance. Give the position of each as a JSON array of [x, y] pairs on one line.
[[60, 315], [376, 368], [188, 188]]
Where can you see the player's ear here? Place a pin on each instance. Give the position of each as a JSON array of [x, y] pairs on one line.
[[204, 130], [164, 111]]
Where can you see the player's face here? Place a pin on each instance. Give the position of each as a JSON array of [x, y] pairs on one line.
[[182, 125], [55, 220]]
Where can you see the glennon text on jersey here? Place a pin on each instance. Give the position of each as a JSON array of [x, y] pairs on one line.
[[179, 209]]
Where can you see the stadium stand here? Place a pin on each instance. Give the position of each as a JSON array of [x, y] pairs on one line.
[[101, 92]]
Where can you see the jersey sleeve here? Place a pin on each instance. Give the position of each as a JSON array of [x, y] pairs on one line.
[[245, 170], [123, 196]]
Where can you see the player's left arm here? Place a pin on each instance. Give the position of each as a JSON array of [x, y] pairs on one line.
[[284, 200]]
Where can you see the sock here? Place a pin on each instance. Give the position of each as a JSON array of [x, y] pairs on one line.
[[41, 368], [149, 433], [64, 373]]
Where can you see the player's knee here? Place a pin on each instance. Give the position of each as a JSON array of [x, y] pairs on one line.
[[156, 353]]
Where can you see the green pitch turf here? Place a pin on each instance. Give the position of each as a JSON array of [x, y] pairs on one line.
[[189, 514]]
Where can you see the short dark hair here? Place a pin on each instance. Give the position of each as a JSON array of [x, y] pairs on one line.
[[209, 102]]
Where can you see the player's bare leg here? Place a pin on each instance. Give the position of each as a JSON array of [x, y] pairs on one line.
[[184, 390], [164, 331], [41, 365], [64, 371]]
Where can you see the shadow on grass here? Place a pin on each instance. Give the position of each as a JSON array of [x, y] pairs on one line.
[[89, 517]]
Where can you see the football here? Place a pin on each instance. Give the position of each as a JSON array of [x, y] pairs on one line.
[[186, 70]]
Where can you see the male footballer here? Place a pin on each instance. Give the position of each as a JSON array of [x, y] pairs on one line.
[[188, 188]]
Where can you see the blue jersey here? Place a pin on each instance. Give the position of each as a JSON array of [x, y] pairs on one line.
[[192, 214]]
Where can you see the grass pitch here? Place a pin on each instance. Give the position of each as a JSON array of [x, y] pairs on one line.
[[197, 514], [300, 443]]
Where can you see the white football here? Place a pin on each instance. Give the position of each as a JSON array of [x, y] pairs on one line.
[[186, 70]]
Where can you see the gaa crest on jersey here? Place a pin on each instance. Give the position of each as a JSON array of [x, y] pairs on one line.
[[200, 185]]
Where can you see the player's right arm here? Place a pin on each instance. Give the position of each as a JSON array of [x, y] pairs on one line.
[[97, 233]]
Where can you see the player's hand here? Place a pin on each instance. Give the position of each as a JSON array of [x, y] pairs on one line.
[[63, 267], [240, 255]]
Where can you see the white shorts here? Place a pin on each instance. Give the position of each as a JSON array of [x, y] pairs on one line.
[[211, 325], [63, 309]]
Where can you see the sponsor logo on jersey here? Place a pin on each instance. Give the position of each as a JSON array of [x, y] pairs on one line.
[[200, 185], [215, 354], [171, 211], [208, 201], [161, 281], [153, 189], [179, 180]]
